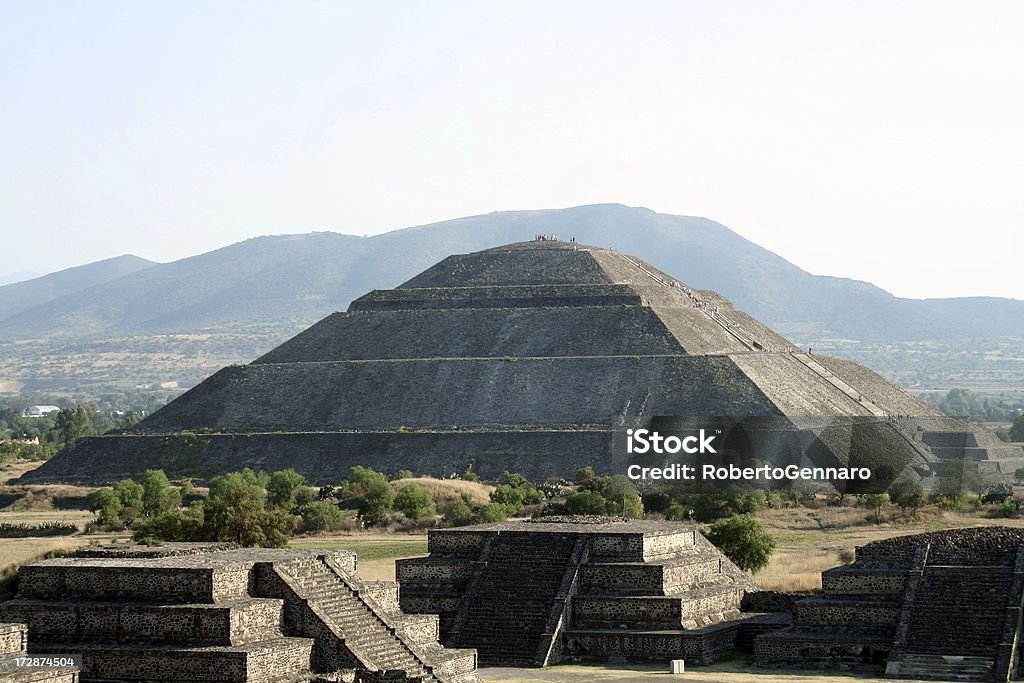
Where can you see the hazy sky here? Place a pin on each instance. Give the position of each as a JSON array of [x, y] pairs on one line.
[[877, 140]]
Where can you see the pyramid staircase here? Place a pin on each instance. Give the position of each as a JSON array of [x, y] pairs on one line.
[[194, 613]]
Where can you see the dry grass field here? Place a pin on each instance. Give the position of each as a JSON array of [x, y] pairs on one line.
[[446, 490]]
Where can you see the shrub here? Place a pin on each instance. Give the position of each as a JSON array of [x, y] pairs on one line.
[[9, 530], [459, 512], [415, 502], [378, 499], [157, 495], [283, 487], [107, 506], [744, 541], [320, 516], [585, 503], [492, 512], [236, 510], [172, 525]]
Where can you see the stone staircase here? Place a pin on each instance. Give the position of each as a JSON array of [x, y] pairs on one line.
[[367, 621], [181, 631], [502, 620], [13, 645], [216, 615], [534, 593], [851, 626]]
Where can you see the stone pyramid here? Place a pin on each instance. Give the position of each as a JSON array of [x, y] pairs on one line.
[[532, 357]]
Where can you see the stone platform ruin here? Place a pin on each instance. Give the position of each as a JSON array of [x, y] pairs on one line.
[[536, 593], [943, 605], [206, 612], [13, 646], [531, 357]]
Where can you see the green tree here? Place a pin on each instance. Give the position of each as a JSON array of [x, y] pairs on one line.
[[131, 495], [283, 487], [622, 498], [459, 512], [585, 503], [172, 525], [107, 506], [236, 510], [1018, 474], [415, 502], [158, 496], [744, 541], [70, 425], [908, 495], [1017, 428], [874, 502], [378, 499], [510, 496], [319, 516], [492, 512]]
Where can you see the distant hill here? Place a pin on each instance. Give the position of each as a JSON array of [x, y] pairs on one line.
[[19, 276], [1005, 317], [300, 278], [29, 294]]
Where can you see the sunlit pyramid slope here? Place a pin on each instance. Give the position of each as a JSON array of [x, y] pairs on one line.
[[530, 357]]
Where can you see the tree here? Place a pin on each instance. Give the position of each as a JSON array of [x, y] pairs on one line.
[[459, 512], [378, 499], [321, 516], [157, 494], [283, 487], [585, 503], [236, 510], [492, 512], [415, 502], [172, 525], [1018, 474], [622, 498], [70, 425], [957, 477], [107, 506], [875, 502], [1017, 428], [743, 540], [131, 494], [505, 494], [908, 495]]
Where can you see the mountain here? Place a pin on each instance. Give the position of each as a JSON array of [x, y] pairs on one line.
[[19, 276], [1004, 317], [294, 279], [29, 294]]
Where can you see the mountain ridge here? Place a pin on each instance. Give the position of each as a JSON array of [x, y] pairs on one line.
[[306, 276]]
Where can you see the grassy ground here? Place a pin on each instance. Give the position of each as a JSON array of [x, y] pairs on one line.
[[810, 541], [377, 552]]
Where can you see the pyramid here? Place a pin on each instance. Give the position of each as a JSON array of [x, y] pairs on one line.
[[532, 357]]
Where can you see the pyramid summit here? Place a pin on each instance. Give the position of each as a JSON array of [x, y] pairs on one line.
[[531, 357]]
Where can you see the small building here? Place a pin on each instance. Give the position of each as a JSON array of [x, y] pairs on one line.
[[39, 411]]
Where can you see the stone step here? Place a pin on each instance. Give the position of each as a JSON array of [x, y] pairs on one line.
[[13, 636], [106, 579], [449, 661], [701, 646], [645, 578], [255, 662], [843, 611], [942, 667], [227, 623], [22, 675]]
